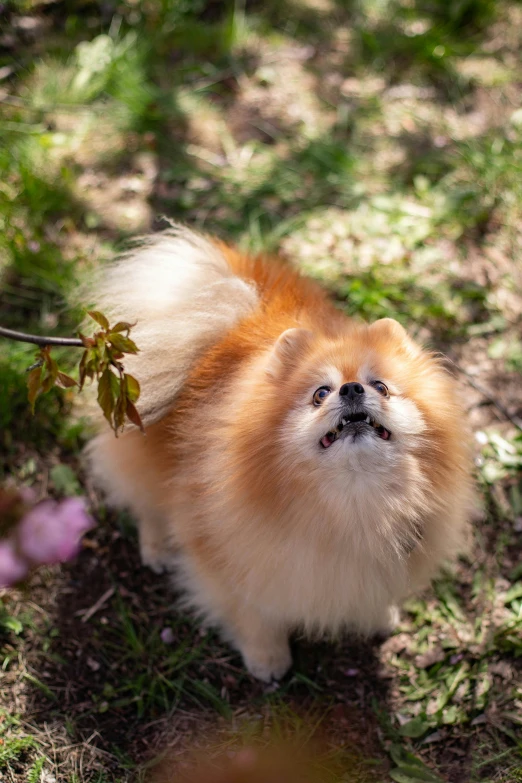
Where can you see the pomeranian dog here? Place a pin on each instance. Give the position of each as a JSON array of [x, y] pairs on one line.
[[301, 471]]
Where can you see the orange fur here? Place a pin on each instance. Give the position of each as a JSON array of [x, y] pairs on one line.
[[268, 531]]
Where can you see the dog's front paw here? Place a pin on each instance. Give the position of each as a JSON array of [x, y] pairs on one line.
[[388, 625], [268, 663], [158, 560], [394, 618]]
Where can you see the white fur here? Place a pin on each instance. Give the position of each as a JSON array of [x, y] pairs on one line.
[[178, 288]]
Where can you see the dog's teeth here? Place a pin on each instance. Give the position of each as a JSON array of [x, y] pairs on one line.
[[367, 420]]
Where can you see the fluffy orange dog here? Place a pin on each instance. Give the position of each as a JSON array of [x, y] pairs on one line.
[[300, 470]]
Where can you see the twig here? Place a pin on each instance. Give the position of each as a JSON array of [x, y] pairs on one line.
[[40, 339], [88, 613], [515, 420]]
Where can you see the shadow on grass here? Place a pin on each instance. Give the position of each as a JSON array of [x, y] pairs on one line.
[[277, 196], [107, 671], [417, 41]]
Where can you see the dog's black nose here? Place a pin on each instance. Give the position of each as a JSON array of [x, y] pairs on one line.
[[351, 390]]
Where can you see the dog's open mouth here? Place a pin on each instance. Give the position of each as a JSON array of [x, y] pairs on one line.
[[353, 422]]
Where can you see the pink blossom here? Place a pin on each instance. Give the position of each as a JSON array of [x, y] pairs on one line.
[[12, 567], [167, 636], [74, 514], [51, 532]]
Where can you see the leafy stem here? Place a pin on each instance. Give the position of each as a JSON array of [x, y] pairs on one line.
[[101, 361]]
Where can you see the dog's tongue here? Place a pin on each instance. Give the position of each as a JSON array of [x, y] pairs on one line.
[[327, 440]]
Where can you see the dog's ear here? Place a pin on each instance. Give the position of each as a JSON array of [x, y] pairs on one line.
[[389, 328], [286, 351]]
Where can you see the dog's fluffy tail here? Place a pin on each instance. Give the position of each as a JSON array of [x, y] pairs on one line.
[[181, 293]]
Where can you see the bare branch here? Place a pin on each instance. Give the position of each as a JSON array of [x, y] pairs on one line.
[[40, 339]]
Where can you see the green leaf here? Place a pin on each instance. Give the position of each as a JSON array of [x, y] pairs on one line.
[[133, 415], [65, 381], [65, 480], [455, 678], [402, 777], [87, 341], [513, 593], [414, 728], [34, 385], [50, 363], [122, 344], [411, 767], [133, 387], [450, 715], [414, 774], [99, 318], [11, 623], [34, 774], [41, 685], [120, 407], [493, 472], [50, 371], [83, 368], [100, 342], [122, 326], [48, 381], [108, 390], [397, 754], [89, 368], [515, 498]]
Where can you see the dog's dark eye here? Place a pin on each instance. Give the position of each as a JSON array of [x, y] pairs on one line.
[[381, 388], [321, 394]]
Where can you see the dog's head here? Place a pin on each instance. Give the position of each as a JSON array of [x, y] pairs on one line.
[[356, 400], [365, 407]]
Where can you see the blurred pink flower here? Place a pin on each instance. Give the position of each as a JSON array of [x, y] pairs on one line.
[[12, 568], [74, 514], [51, 532], [167, 636]]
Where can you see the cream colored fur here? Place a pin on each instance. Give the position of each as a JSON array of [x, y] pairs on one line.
[[178, 289], [269, 533]]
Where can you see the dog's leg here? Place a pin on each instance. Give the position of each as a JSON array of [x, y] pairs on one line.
[[261, 640], [389, 623], [263, 645], [155, 551]]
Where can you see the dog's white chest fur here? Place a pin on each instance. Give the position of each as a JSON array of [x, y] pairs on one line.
[[325, 588]]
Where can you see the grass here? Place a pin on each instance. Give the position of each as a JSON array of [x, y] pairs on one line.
[[377, 144]]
